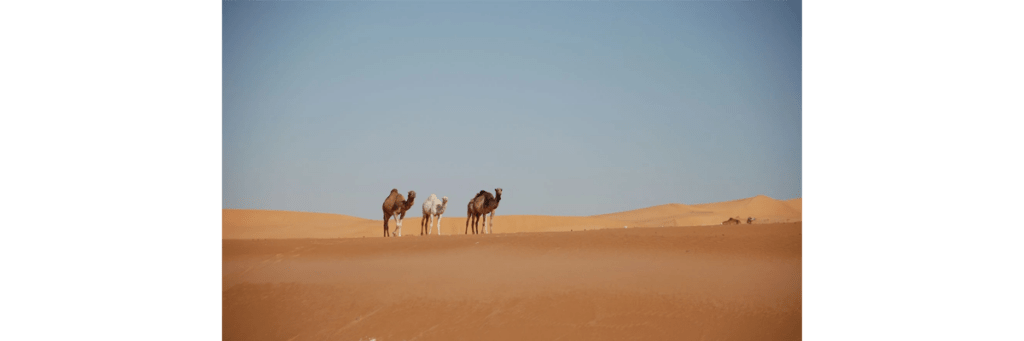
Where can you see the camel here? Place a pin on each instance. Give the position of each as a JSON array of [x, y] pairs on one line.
[[750, 220], [471, 213], [482, 204], [395, 206], [431, 208], [731, 221]]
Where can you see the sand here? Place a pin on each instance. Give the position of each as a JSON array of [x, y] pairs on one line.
[[531, 280], [262, 224]]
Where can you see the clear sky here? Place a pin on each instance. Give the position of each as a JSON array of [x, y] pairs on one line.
[[573, 108]]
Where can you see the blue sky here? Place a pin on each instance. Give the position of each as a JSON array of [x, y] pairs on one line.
[[573, 108]]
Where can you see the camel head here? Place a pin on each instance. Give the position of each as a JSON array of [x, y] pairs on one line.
[[444, 201], [408, 202], [497, 194]]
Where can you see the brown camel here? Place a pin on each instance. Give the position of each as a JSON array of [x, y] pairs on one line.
[[395, 206], [731, 221], [471, 213], [482, 204], [750, 220]]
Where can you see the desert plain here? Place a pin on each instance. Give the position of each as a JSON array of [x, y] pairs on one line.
[[668, 272]]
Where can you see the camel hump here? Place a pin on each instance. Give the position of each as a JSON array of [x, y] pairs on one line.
[[394, 190]]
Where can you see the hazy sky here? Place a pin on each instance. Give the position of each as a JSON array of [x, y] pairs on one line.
[[573, 108]]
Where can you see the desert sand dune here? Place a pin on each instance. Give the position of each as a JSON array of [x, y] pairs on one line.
[[309, 276], [673, 283], [796, 204], [665, 215], [261, 224], [763, 208]]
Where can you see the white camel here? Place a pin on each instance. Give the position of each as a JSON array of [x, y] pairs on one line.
[[431, 208]]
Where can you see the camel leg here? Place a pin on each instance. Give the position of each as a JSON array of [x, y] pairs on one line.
[[476, 223], [392, 233], [490, 228], [483, 224], [398, 225], [386, 218], [398, 229], [430, 222], [425, 224], [438, 225]]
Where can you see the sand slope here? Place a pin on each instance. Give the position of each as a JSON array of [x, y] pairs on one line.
[[673, 283], [261, 224], [765, 209], [796, 204]]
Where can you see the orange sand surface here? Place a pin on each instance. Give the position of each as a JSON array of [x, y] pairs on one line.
[[261, 224], [738, 282]]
